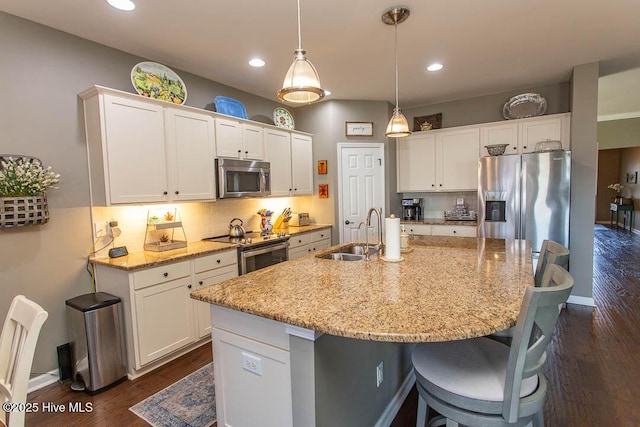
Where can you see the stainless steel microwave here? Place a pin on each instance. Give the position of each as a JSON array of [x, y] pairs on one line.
[[243, 178]]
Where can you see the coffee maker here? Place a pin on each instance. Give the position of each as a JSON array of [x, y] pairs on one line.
[[411, 209]]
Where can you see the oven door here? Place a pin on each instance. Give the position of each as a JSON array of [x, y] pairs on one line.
[[255, 259]]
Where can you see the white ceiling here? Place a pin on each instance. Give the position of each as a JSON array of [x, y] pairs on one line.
[[486, 46]]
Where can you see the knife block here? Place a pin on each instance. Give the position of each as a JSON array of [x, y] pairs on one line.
[[280, 222]]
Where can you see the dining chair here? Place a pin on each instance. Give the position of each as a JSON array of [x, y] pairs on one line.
[[17, 347], [483, 382], [551, 253]]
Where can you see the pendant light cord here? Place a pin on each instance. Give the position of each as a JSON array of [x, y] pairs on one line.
[[299, 33], [395, 25]]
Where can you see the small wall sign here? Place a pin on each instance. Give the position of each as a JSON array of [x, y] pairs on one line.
[[322, 167], [323, 191], [358, 128]]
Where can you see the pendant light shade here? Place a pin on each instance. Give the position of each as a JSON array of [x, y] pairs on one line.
[[301, 83], [398, 126]]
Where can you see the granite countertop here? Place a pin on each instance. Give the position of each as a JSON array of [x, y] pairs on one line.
[[146, 259], [440, 221], [447, 288]]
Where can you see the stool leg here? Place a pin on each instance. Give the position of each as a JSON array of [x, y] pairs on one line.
[[422, 411]]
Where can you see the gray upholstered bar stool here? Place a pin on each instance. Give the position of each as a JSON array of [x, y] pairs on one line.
[[483, 382], [551, 253]]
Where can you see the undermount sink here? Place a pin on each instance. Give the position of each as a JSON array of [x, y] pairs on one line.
[[349, 253]]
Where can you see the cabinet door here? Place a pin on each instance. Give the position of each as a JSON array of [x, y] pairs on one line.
[[457, 159], [537, 130], [278, 154], [252, 142], [501, 133], [164, 319], [191, 148], [302, 164], [203, 309], [134, 141], [415, 160], [228, 138]]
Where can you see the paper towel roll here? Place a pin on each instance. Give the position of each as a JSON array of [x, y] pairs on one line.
[[392, 238]]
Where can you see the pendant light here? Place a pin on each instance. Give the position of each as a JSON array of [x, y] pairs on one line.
[[398, 126], [301, 83]]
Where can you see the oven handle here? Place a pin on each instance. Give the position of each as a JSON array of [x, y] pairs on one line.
[[264, 250]]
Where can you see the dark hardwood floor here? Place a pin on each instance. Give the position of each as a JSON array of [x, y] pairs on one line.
[[592, 368]]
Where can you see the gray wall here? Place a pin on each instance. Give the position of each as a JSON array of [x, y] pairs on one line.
[[584, 156], [42, 71], [619, 134], [484, 109]]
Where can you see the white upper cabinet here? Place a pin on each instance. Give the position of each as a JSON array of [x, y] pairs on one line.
[[191, 154], [142, 151], [291, 159], [416, 166], [442, 160], [239, 140], [522, 135]]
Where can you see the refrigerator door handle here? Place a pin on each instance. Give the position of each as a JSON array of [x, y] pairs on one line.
[[522, 208]]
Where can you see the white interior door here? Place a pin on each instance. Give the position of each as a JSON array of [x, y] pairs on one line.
[[361, 181]]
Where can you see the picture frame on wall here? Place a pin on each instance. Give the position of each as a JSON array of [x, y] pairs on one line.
[[632, 177], [358, 128], [323, 191], [322, 167]]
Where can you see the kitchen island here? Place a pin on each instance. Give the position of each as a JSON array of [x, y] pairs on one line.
[[304, 341]]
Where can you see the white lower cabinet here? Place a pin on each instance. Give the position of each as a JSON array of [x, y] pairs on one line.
[[454, 230], [441, 230], [210, 270], [306, 243], [161, 320]]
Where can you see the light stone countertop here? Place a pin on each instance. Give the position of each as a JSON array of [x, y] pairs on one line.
[[447, 288], [146, 259]]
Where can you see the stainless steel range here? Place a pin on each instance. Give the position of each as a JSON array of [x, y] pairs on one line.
[[256, 251]]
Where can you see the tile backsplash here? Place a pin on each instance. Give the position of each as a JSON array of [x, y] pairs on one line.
[[434, 204], [198, 219]]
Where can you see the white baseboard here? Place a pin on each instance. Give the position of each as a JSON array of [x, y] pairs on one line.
[[43, 380], [581, 301], [394, 406]]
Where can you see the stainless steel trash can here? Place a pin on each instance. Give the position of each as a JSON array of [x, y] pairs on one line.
[[97, 341]]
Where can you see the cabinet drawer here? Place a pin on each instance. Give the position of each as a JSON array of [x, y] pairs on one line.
[[217, 275], [299, 240], [153, 276], [299, 251], [321, 235], [216, 260], [320, 244], [453, 230], [420, 229]]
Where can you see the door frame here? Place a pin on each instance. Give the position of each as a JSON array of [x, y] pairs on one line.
[[380, 147]]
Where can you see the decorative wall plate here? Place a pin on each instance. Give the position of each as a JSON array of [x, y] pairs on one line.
[[156, 81], [230, 107], [524, 105], [282, 118]]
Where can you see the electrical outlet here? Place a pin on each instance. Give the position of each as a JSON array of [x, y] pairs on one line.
[[379, 374], [100, 229], [251, 363]]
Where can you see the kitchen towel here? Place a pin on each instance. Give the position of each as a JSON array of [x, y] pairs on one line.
[[392, 238]]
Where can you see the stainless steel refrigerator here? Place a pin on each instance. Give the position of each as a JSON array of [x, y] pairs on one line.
[[525, 197]]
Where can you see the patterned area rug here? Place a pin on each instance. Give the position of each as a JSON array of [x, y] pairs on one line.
[[189, 402]]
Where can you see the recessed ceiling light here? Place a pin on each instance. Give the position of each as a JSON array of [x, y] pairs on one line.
[[256, 62], [435, 67], [122, 4]]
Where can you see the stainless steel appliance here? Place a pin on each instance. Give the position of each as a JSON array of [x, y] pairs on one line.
[[243, 178], [525, 197], [411, 209], [256, 251]]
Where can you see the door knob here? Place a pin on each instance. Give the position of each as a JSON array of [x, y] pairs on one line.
[[347, 222]]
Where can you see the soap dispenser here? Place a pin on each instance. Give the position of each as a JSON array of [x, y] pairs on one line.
[[404, 239]]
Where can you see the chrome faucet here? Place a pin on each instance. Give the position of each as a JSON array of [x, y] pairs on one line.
[[378, 245], [366, 239]]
